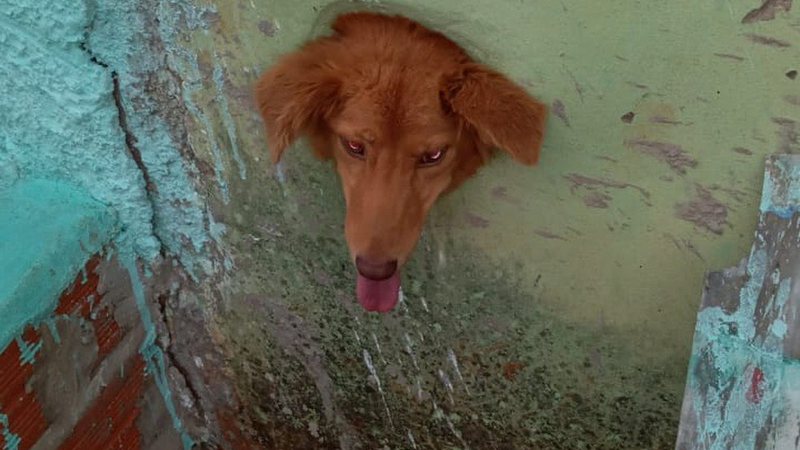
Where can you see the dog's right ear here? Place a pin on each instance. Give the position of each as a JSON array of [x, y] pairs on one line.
[[299, 93]]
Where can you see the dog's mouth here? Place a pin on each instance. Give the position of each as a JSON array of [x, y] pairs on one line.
[[378, 295]]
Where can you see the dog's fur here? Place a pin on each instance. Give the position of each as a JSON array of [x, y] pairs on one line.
[[400, 90]]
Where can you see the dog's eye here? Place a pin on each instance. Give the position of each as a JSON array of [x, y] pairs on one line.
[[354, 148], [432, 158]]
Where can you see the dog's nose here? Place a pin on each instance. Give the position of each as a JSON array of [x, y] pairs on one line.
[[375, 270]]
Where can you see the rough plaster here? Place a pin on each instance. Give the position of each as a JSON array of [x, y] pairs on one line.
[[100, 120], [65, 116], [34, 270]]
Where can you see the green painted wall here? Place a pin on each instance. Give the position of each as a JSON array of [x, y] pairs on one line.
[[551, 306]]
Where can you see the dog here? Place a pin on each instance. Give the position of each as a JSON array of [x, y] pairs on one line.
[[406, 115]]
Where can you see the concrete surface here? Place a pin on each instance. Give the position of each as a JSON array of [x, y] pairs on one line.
[[743, 379], [549, 307]]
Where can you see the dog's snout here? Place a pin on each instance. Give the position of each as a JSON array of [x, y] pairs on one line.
[[375, 269]]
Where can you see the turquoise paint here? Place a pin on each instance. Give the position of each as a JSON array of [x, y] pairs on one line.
[[184, 62], [152, 353], [50, 322], [49, 230], [784, 201], [69, 126], [61, 122], [58, 114], [12, 440], [27, 351], [727, 351], [180, 217]]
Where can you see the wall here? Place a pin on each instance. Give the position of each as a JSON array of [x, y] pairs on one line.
[[548, 307], [551, 307]]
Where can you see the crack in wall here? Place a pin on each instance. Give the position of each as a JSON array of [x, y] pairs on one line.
[[130, 139], [174, 360]]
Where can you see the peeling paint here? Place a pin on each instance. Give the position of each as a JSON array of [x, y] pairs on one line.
[[767, 10], [674, 155], [737, 376], [704, 210], [151, 353], [767, 40]]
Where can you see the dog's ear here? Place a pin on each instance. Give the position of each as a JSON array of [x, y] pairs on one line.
[[502, 114], [299, 93]]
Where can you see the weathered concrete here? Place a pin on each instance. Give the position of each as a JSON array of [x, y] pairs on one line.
[[743, 376], [542, 307]]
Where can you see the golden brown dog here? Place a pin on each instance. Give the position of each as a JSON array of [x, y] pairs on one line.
[[406, 115]]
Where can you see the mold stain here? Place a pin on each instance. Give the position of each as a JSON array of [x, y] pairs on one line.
[[415, 385]]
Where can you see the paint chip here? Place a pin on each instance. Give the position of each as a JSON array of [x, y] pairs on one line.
[[767, 10], [767, 40], [674, 155], [704, 211], [560, 111], [628, 117], [268, 28]]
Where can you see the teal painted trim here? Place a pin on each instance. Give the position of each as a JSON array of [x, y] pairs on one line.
[[784, 201], [12, 440], [27, 350], [152, 353], [48, 230]]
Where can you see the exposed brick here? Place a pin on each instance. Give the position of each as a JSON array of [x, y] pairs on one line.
[[24, 413], [110, 423], [84, 300]]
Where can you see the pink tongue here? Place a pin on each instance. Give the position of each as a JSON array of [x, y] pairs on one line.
[[378, 296]]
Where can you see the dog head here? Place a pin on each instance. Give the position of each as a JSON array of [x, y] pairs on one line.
[[406, 115]]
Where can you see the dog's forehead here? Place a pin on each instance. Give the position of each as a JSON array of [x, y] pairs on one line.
[[412, 101]]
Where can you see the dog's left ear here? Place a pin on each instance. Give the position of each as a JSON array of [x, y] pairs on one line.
[[502, 113], [300, 92]]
